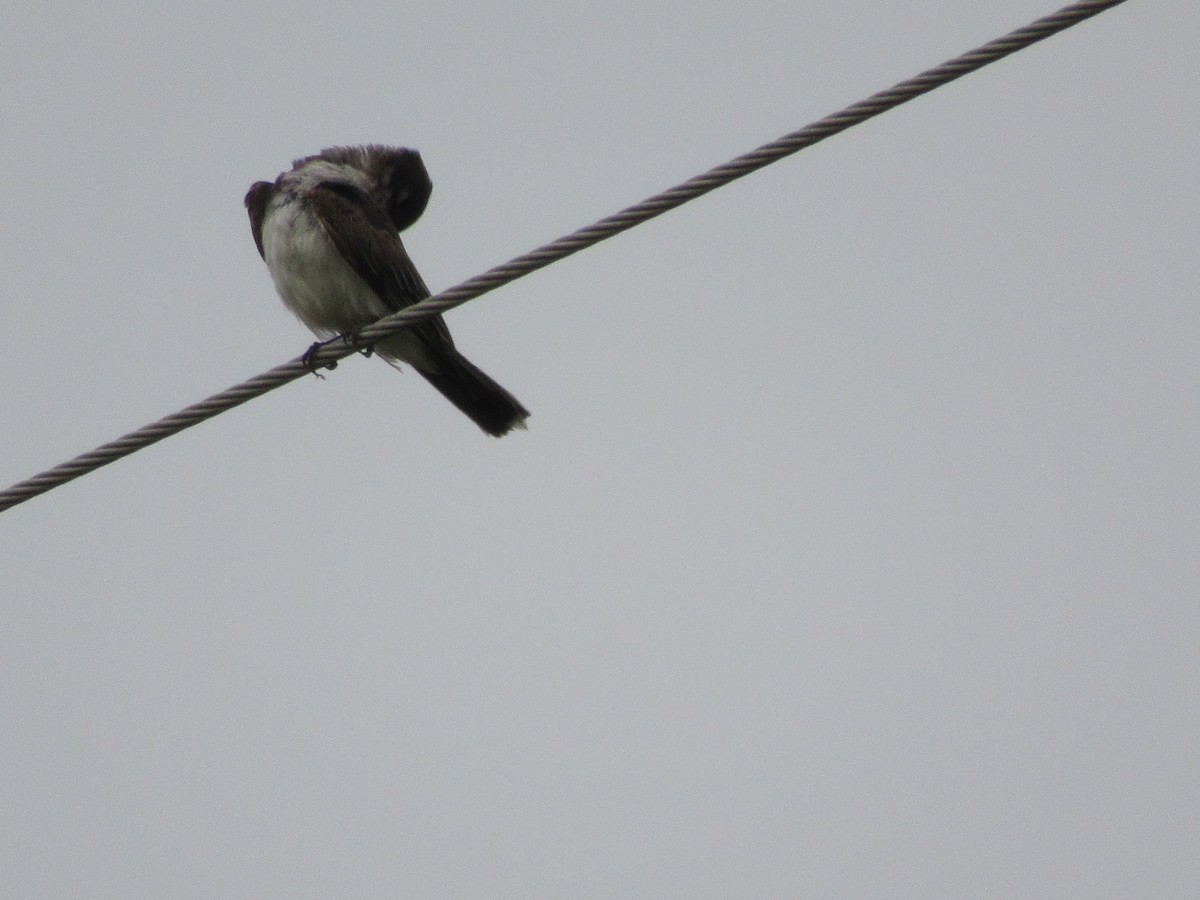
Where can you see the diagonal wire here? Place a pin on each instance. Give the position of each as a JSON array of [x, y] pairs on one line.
[[331, 352]]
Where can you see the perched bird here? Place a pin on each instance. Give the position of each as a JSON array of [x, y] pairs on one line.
[[328, 231]]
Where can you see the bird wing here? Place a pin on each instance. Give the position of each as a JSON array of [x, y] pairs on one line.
[[365, 235]]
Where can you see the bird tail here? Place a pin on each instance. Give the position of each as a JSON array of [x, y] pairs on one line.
[[465, 385]]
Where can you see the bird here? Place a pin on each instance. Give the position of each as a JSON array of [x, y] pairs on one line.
[[329, 231]]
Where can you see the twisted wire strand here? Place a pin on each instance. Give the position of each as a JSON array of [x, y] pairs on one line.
[[500, 275]]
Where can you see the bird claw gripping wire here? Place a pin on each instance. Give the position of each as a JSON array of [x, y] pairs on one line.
[[309, 359], [354, 337]]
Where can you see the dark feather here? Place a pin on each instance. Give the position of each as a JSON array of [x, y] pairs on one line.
[[257, 199]]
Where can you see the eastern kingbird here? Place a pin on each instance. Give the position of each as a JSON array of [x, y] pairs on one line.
[[329, 232]]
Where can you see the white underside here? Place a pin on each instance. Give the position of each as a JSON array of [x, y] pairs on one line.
[[312, 278], [317, 284]]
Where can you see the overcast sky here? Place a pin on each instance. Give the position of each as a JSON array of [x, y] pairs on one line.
[[853, 549]]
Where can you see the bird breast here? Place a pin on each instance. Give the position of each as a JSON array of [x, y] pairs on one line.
[[311, 276]]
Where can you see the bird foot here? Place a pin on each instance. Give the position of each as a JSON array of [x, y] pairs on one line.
[[310, 361], [353, 337]]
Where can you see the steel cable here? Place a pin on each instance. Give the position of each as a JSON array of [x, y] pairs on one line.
[[562, 247]]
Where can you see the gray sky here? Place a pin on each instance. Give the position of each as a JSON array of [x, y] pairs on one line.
[[853, 547]]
